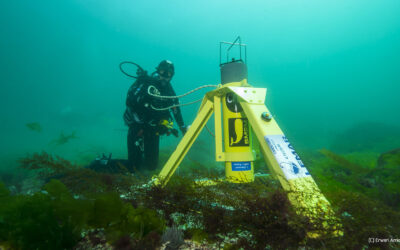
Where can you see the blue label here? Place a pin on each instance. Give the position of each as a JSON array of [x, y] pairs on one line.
[[241, 166]]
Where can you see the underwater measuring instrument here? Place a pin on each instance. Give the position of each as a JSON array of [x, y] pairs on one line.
[[238, 154], [239, 111], [167, 127]]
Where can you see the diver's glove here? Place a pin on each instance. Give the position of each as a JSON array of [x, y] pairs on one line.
[[174, 132], [183, 129]]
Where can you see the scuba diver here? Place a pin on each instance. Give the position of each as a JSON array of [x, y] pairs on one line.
[[149, 104]]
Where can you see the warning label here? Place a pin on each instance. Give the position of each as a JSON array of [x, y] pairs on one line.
[[286, 156]]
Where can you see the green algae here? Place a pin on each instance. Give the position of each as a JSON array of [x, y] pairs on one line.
[[252, 216], [30, 222], [53, 219], [374, 175], [78, 179]]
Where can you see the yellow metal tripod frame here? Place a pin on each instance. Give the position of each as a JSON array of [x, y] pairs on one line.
[[303, 192]]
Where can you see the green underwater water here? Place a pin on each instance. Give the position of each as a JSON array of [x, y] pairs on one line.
[[331, 69]]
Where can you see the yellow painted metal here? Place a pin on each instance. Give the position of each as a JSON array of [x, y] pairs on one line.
[[250, 95], [253, 113], [303, 192], [219, 153], [240, 156], [184, 145], [239, 166]]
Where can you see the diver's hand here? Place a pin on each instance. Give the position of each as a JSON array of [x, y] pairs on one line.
[[175, 132], [183, 129]]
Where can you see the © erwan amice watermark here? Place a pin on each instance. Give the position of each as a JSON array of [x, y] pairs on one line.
[[385, 240]]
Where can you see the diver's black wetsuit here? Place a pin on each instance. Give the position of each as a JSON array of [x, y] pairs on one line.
[[144, 121]]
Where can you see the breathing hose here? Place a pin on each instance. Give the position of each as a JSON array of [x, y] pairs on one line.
[[139, 70], [179, 96]]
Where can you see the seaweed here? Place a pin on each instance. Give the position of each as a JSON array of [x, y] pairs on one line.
[[78, 179], [213, 215], [54, 219], [271, 216], [378, 178], [30, 222], [119, 218], [344, 163], [365, 218], [46, 164], [231, 216], [389, 159], [172, 238]]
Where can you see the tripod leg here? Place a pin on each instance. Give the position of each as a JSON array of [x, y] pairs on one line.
[[286, 165], [184, 145]]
